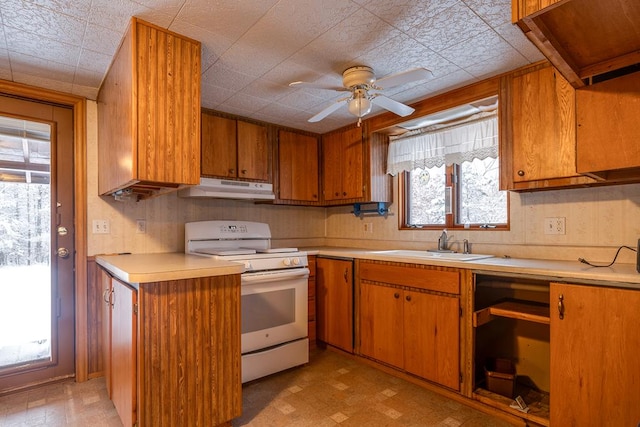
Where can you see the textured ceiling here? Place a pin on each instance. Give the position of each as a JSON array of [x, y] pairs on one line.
[[252, 49]]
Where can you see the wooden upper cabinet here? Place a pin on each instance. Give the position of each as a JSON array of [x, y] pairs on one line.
[[354, 167], [538, 130], [582, 38], [608, 132], [298, 177], [149, 113], [253, 153], [234, 149], [219, 149]]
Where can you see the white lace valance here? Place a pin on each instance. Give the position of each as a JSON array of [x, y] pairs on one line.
[[476, 139]]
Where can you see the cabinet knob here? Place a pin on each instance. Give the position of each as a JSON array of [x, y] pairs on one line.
[[520, 172], [344, 193], [337, 194], [314, 196], [232, 171], [244, 171], [561, 306], [396, 295], [408, 297]]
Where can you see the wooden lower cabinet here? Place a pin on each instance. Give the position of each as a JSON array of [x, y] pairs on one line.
[[334, 302], [312, 301], [411, 328], [595, 375], [175, 351]]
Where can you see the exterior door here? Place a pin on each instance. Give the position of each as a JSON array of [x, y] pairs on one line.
[[36, 244]]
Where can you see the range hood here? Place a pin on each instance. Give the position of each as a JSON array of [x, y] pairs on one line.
[[229, 189]]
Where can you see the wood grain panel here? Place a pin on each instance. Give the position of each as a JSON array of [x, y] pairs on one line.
[[219, 148], [95, 309], [298, 162], [609, 111], [593, 356], [253, 152], [422, 278], [190, 352], [352, 154], [334, 302]]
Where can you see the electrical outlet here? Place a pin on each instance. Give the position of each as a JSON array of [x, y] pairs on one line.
[[554, 225], [141, 226], [101, 226], [368, 227]]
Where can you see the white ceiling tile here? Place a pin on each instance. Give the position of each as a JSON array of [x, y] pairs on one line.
[[101, 39], [231, 18], [33, 19], [250, 59], [494, 12], [496, 65], [94, 61], [40, 47], [449, 27], [212, 95], [289, 71], [213, 45], [512, 34], [168, 7], [76, 8], [477, 49], [301, 100], [116, 14], [406, 14], [89, 78], [248, 103], [266, 89], [43, 82], [221, 76], [40, 67], [84, 91]]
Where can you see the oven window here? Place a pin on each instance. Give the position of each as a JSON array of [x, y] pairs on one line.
[[266, 310]]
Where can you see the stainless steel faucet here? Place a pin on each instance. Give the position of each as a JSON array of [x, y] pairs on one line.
[[442, 241], [465, 247]]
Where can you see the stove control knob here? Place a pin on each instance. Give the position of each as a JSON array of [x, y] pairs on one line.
[[287, 262], [296, 261]]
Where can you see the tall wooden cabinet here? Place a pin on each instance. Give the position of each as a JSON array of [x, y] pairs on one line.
[[334, 302], [595, 377], [234, 149], [149, 114], [298, 167], [353, 167], [538, 131], [409, 317]]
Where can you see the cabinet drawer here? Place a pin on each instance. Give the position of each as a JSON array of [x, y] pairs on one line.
[[415, 277]]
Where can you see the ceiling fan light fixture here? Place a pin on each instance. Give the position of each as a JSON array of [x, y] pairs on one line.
[[359, 105]]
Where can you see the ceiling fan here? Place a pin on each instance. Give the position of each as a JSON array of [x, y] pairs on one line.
[[359, 80]]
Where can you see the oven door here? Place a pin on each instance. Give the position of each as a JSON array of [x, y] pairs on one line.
[[274, 308]]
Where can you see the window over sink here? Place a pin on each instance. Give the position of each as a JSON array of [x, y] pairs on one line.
[[449, 169]]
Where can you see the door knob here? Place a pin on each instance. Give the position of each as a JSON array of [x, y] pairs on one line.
[[63, 252]]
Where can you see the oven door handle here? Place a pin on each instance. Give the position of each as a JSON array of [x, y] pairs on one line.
[[273, 276]]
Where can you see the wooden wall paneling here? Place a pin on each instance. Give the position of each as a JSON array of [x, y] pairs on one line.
[[189, 363], [94, 314]]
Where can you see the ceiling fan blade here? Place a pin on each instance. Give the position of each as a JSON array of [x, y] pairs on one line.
[[317, 86], [403, 77], [330, 109], [391, 105]]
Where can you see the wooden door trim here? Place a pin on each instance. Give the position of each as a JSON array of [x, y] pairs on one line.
[[79, 107]]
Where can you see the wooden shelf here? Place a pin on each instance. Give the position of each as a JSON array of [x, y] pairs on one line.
[[537, 401], [514, 309]]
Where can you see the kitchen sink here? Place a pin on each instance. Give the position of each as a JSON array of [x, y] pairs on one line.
[[445, 256]]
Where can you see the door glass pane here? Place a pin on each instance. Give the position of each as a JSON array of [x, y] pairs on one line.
[[25, 242]]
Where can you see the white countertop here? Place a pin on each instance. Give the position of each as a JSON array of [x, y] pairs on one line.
[[618, 275], [145, 268]]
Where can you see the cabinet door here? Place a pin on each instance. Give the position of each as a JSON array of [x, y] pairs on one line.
[[543, 122], [218, 146], [334, 302], [381, 323], [105, 318], [253, 154], [123, 352], [595, 376], [432, 337], [342, 165], [297, 167], [608, 111]]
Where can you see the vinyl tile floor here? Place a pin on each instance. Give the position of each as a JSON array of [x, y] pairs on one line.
[[331, 390]]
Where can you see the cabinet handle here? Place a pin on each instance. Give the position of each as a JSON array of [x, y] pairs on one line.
[[244, 171], [396, 295], [520, 172], [346, 270], [232, 171], [408, 297], [112, 298], [105, 295], [561, 306]]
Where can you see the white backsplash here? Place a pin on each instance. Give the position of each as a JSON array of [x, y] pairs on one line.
[[598, 220]]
